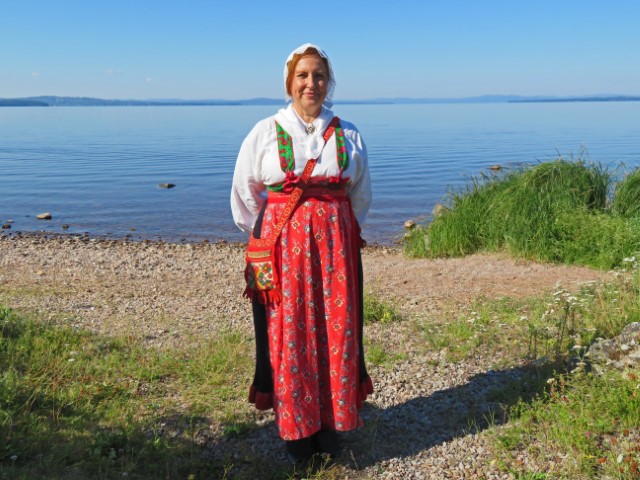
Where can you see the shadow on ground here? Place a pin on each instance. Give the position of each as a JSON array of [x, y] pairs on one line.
[[73, 444], [416, 425]]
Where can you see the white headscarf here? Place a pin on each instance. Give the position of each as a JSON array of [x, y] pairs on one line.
[[332, 81]]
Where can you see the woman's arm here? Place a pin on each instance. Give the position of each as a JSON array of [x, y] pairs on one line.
[[247, 187]]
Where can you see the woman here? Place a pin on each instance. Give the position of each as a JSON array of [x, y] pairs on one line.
[[310, 362]]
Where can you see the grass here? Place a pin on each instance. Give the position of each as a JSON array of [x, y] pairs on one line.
[[379, 311], [379, 355], [577, 425], [384, 313], [586, 425], [77, 405], [550, 326], [556, 211], [590, 422], [627, 196]]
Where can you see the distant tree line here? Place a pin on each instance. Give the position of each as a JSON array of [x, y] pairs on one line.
[[9, 102]]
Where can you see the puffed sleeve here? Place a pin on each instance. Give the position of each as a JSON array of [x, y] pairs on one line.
[[247, 187], [360, 188]]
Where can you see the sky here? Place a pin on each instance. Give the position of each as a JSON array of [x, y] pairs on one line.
[[235, 49]]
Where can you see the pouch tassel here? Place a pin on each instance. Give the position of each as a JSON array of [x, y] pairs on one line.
[[249, 293], [265, 297]]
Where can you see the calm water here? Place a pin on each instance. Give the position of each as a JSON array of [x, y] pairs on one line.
[[98, 169]]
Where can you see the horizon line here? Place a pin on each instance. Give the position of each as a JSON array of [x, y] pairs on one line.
[[55, 100]]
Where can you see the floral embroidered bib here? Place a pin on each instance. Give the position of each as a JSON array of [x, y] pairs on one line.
[[288, 162]]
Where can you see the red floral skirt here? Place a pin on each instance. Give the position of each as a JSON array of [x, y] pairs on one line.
[[313, 333]]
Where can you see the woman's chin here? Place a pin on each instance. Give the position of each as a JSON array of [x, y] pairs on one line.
[[311, 107]]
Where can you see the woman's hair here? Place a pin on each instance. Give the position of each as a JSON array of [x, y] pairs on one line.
[[293, 63]]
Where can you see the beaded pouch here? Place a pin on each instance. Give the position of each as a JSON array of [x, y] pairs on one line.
[[261, 273]]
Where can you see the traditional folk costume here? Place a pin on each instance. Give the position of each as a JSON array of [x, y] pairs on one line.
[[310, 363]]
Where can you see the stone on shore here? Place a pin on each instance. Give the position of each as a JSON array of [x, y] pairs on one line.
[[44, 216], [438, 210], [409, 224], [619, 353]]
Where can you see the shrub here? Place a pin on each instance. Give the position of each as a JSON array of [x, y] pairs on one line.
[[626, 201], [552, 212]]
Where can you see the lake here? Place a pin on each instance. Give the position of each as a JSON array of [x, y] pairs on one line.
[[97, 169]]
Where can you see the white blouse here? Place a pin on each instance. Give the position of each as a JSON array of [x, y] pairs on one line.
[[258, 163]]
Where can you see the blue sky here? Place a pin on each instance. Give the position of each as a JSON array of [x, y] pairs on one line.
[[234, 49]]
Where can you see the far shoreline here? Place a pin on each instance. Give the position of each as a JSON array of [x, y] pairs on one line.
[[68, 101]]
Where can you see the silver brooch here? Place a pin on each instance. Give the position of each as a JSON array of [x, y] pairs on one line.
[[310, 129]]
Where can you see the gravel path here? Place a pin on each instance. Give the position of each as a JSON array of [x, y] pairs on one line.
[[427, 417]]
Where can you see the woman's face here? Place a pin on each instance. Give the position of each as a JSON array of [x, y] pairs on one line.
[[309, 86]]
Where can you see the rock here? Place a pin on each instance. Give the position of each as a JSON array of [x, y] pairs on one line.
[[9, 221], [619, 353], [438, 210], [65, 226], [44, 216], [409, 224], [166, 185], [495, 168], [6, 226]]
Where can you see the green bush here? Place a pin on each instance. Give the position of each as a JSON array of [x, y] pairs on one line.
[[626, 201], [552, 212]]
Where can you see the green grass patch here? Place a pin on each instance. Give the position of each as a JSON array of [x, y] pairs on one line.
[[379, 311], [555, 325], [78, 405], [553, 212], [577, 425], [590, 422], [376, 354], [585, 425]]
